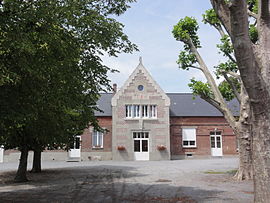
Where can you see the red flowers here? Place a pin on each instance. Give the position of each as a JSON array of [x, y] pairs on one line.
[[161, 147]]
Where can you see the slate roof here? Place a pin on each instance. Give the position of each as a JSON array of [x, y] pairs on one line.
[[182, 105], [188, 105], [104, 103]]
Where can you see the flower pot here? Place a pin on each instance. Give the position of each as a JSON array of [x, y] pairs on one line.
[[161, 147], [121, 148]]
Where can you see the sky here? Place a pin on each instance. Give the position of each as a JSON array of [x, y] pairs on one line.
[[149, 24]]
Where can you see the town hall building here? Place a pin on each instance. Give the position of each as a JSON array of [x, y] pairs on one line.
[[142, 122]]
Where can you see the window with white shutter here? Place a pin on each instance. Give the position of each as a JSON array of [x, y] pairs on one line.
[[189, 137]]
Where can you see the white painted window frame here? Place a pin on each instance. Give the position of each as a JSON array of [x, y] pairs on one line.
[[145, 111], [98, 134], [136, 111], [129, 111], [152, 111], [188, 137]]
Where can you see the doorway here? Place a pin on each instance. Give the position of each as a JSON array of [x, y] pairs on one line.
[[141, 146], [75, 148], [216, 143]]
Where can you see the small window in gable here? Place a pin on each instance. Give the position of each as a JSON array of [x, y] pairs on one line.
[[189, 137]]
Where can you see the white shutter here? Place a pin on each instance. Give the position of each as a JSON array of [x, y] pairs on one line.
[[189, 134]]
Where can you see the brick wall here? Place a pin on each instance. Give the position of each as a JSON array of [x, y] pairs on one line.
[[203, 127], [86, 138]]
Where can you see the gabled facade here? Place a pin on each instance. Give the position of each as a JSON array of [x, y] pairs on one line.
[[140, 118]]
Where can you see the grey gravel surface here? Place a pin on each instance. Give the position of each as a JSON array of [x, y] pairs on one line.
[[192, 180]]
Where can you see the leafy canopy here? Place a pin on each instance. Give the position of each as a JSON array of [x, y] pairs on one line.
[[211, 18], [187, 29], [186, 60], [200, 88], [52, 70]]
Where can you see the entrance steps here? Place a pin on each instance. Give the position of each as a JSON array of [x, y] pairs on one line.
[[74, 159]]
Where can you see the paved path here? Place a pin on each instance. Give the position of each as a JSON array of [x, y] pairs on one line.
[[108, 181]]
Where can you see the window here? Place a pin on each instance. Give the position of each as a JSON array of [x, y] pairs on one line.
[[140, 87], [140, 135], [141, 111], [189, 137], [97, 139], [136, 111], [129, 111], [153, 111], [144, 111]]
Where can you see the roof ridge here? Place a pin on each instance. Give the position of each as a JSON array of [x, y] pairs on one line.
[[179, 93]]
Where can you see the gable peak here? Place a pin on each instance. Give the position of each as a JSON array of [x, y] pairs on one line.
[[140, 70], [140, 60]]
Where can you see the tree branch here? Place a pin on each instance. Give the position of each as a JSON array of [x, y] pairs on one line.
[[264, 26], [243, 48], [234, 75], [264, 10], [230, 57], [218, 97], [250, 13], [196, 67], [234, 89], [212, 102], [222, 10], [220, 30]]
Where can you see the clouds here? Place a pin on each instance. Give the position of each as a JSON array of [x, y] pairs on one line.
[[149, 24]]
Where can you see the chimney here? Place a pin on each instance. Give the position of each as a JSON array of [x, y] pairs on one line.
[[114, 88]]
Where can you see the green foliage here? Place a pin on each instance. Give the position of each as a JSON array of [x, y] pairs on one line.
[[226, 90], [210, 17], [225, 67], [253, 33], [186, 60], [52, 70], [226, 46], [200, 88], [253, 5], [187, 29]]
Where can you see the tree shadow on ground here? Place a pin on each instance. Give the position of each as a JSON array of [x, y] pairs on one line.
[[100, 184]]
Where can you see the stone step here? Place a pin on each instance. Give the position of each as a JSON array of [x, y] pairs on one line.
[[74, 159]]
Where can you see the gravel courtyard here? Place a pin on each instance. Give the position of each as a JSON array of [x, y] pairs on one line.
[[193, 180]]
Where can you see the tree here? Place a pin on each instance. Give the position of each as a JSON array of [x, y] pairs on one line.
[[186, 31], [253, 63], [50, 56], [245, 170]]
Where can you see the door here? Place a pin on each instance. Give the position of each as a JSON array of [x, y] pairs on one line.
[[75, 148], [216, 143], [141, 146], [1, 154]]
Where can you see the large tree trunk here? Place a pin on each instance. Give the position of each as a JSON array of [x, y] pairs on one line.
[[21, 172], [245, 170], [253, 63], [36, 167], [261, 158]]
